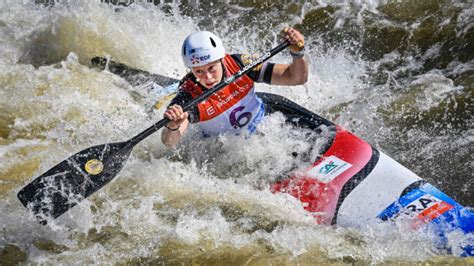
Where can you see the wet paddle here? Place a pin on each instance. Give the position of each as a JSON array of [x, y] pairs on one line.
[[65, 185], [136, 77], [132, 75]]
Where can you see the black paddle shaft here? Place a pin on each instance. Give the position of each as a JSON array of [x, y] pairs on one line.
[[74, 179]]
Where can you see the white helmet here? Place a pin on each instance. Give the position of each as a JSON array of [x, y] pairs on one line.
[[201, 48]]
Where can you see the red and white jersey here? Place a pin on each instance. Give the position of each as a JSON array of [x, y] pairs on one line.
[[232, 108]]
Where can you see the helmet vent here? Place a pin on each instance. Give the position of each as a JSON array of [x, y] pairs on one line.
[[213, 42], [184, 49]]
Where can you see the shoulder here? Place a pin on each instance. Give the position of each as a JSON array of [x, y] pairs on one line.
[[184, 90], [260, 73], [243, 59]]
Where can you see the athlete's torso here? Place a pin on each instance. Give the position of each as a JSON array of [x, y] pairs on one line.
[[232, 108]]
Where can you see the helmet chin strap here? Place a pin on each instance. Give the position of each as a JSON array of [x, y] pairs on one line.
[[224, 71]]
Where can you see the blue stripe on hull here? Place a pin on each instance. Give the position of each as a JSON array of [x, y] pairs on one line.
[[423, 198]]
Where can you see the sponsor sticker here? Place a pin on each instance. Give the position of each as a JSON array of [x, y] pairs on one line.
[[195, 59], [329, 168], [197, 49], [422, 208], [425, 209], [94, 167]]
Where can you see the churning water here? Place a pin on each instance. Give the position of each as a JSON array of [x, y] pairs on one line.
[[400, 74]]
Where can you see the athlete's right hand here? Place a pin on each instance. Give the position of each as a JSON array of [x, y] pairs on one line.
[[295, 38], [176, 115]]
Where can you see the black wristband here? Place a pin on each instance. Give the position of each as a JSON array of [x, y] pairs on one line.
[[297, 55], [172, 129]]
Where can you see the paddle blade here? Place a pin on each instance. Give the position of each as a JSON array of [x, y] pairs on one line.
[[74, 179]]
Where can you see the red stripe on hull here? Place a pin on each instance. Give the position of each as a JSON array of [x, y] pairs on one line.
[[320, 196], [430, 214]]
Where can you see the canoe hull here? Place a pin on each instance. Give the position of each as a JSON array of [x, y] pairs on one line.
[[352, 184]]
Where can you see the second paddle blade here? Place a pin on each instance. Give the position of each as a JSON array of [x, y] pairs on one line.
[[74, 179]]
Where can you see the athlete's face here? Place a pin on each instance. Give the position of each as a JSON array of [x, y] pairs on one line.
[[209, 75]]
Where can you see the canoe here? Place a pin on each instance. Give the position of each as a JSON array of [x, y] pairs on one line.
[[351, 183]]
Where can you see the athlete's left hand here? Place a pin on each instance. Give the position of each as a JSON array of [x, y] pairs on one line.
[[295, 37]]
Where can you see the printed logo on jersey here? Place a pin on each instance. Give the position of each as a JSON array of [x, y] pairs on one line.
[[329, 168], [246, 59], [210, 110], [234, 96]]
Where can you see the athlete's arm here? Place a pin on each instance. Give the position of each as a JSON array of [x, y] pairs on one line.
[[179, 120], [173, 131], [295, 73]]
